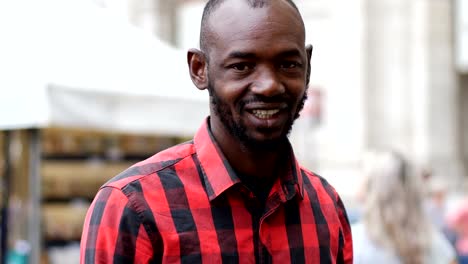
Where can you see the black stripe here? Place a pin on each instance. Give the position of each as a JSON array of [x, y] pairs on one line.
[[339, 207], [340, 257], [191, 259], [128, 232], [230, 170], [132, 171], [266, 257], [338, 204], [135, 191], [126, 240], [256, 215], [341, 238], [224, 225], [223, 221], [181, 215], [294, 231], [206, 183], [144, 169], [329, 189], [321, 225], [201, 174], [95, 221]]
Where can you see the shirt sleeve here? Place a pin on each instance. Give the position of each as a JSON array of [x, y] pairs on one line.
[[347, 249], [113, 231]]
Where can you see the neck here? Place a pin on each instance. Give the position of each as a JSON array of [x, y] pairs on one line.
[[262, 165], [258, 163]]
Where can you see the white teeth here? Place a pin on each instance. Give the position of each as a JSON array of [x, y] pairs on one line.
[[264, 114]]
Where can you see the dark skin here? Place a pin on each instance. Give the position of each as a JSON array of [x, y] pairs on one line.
[[257, 66]]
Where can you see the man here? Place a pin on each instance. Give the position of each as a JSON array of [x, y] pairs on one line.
[[235, 193]]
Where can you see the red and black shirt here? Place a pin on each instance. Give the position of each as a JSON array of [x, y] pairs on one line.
[[186, 205]]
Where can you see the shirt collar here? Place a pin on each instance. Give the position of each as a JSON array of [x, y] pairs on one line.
[[218, 175]]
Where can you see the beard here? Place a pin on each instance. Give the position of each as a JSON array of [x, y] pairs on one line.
[[239, 130]]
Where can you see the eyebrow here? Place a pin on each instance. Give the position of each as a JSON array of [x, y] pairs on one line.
[[290, 53], [241, 55], [251, 55]]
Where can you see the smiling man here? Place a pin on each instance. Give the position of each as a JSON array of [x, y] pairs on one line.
[[235, 193]]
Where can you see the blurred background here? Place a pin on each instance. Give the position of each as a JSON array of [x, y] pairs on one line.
[[90, 87]]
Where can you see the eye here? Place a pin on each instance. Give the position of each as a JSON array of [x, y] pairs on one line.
[[290, 65], [242, 66]]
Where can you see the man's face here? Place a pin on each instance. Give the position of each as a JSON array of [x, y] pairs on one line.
[[257, 71]]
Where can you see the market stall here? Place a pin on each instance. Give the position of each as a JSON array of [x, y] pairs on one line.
[[68, 65]]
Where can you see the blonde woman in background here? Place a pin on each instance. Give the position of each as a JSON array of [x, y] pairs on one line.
[[394, 227]]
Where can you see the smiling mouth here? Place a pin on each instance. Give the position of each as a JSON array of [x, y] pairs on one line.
[[265, 114]]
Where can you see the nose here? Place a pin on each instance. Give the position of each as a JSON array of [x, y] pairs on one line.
[[267, 82]]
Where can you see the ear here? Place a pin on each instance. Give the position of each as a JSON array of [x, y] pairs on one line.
[[198, 68], [309, 49]]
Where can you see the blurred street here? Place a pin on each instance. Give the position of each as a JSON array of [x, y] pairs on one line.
[[90, 87]]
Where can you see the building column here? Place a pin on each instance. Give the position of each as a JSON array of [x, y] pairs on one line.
[[388, 86], [463, 103], [443, 109], [413, 97]]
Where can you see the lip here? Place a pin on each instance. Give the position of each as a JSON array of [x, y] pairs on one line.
[[269, 121], [265, 106]]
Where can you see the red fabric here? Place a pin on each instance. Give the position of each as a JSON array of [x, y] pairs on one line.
[[458, 221], [186, 205]]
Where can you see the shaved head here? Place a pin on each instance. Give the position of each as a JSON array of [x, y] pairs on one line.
[[212, 5]]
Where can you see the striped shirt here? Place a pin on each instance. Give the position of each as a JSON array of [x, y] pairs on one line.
[[186, 205]]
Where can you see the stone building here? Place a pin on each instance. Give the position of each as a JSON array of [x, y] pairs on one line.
[[387, 73]]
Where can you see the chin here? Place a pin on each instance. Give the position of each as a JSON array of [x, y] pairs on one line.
[[263, 142], [269, 145]]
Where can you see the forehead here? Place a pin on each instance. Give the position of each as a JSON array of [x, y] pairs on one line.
[[235, 25]]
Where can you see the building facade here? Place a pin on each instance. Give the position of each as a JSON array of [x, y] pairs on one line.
[[387, 75]]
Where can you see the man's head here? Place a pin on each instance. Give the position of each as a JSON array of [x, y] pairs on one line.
[[212, 5], [255, 66]]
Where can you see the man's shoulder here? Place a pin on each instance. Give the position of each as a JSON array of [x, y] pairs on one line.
[[317, 184], [162, 160]]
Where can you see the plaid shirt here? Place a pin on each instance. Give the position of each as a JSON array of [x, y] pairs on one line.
[[186, 205]]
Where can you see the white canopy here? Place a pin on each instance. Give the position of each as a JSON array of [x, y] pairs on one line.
[[71, 63]]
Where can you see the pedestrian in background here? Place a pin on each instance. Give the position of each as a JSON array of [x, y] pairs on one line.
[[395, 227], [436, 202], [458, 221]]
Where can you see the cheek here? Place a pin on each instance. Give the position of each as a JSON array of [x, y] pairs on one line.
[[230, 92], [297, 90], [230, 84]]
